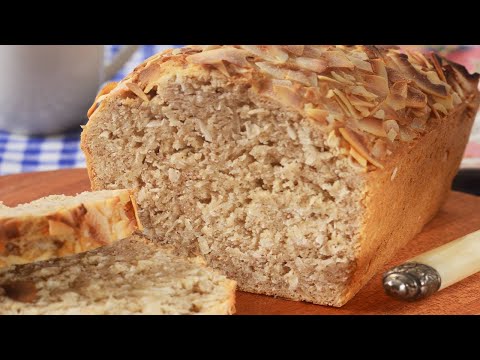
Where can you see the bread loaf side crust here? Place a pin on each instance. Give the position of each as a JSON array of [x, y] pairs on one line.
[[407, 194], [65, 231]]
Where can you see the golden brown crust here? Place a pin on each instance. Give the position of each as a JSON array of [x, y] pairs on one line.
[[68, 230]]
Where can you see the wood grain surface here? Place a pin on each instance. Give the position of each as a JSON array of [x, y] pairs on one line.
[[459, 216]]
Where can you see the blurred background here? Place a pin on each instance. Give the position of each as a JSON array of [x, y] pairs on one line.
[[28, 153]]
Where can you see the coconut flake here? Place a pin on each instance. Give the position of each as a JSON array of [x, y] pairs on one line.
[[319, 115], [376, 84], [391, 128], [361, 91], [407, 135], [137, 91], [267, 52], [337, 59], [341, 79], [287, 96], [295, 49], [355, 141], [315, 65], [372, 126], [360, 64], [228, 54]]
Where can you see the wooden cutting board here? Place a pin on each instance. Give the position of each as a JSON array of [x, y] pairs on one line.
[[460, 216]]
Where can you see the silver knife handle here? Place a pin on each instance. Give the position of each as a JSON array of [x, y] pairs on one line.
[[435, 270], [411, 281]]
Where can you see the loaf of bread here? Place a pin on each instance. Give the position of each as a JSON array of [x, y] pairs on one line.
[[61, 225], [131, 276], [297, 170]]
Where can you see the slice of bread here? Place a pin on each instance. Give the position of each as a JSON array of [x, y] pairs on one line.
[[60, 225], [132, 276]]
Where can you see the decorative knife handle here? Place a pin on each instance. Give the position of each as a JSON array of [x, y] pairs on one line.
[[434, 270], [411, 281]]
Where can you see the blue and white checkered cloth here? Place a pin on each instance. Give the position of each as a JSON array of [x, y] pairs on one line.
[[27, 154]]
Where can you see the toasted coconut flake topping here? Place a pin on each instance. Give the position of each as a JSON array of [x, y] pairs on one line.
[[288, 96], [286, 74], [379, 114], [344, 100], [379, 149], [328, 79], [319, 115], [341, 79], [104, 91], [438, 67], [398, 96], [337, 59], [357, 144], [466, 81], [215, 56], [372, 126], [356, 155], [440, 108], [407, 135], [378, 67], [295, 49], [391, 128], [310, 64], [267, 52], [133, 87], [361, 64], [415, 98], [377, 85], [222, 68], [419, 78], [373, 96], [361, 91], [358, 102]]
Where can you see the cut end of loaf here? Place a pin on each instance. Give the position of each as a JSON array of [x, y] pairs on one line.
[[221, 172]]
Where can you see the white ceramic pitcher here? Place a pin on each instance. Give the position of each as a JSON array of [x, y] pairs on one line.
[[46, 89]]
